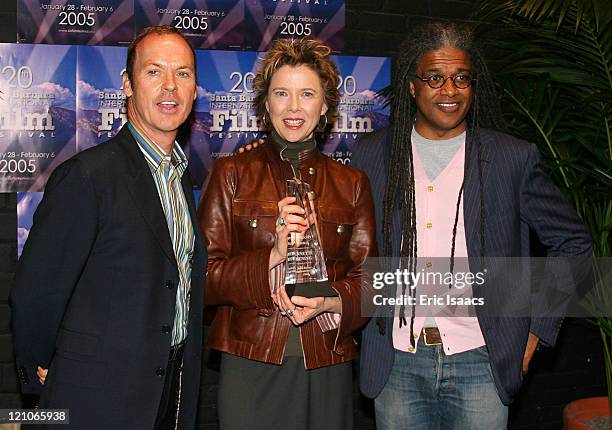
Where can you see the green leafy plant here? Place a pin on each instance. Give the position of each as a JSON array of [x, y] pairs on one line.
[[556, 82]]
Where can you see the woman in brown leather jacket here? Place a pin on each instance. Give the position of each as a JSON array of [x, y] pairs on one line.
[[286, 361]]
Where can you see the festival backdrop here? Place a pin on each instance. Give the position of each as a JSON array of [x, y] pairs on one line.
[[101, 107], [37, 113], [266, 20], [57, 99], [224, 115], [208, 24], [78, 22]]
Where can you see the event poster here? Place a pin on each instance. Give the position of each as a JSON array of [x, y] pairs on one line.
[[266, 20], [80, 22], [26, 206], [37, 113], [40, 95], [361, 109], [208, 24], [225, 118], [101, 103]]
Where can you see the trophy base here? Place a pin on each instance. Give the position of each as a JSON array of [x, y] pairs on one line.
[[311, 289]]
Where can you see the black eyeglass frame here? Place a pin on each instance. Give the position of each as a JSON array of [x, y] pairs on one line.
[[470, 82]]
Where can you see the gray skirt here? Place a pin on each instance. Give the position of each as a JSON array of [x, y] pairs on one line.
[[258, 396]]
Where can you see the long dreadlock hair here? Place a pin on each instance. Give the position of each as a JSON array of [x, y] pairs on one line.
[[484, 112]]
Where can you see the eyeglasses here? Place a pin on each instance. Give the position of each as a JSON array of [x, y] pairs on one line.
[[461, 81]]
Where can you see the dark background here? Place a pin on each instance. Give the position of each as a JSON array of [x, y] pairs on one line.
[[573, 369]]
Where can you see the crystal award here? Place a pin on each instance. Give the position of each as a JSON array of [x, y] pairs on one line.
[[305, 261]]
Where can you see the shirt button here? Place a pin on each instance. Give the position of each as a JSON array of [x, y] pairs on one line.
[[312, 171], [340, 229], [430, 188], [169, 285], [160, 371], [429, 225], [253, 223], [428, 264], [166, 329]]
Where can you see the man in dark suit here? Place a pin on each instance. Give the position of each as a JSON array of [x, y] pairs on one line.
[[108, 300], [457, 190]]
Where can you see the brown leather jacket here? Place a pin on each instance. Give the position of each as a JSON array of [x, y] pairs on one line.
[[237, 216]]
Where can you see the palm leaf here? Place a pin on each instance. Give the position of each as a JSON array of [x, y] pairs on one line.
[[556, 78]]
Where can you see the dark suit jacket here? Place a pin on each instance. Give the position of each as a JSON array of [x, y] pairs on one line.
[[95, 290], [518, 195]]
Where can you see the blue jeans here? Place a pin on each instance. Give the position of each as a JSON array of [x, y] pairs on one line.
[[430, 390]]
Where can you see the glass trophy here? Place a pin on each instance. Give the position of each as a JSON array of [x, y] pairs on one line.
[[305, 261]]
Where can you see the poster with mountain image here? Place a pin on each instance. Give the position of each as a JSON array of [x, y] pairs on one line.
[[37, 113]]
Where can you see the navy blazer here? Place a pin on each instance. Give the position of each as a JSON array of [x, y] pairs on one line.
[[518, 195], [95, 293]]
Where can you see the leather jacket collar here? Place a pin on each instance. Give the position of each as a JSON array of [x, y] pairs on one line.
[[281, 169]]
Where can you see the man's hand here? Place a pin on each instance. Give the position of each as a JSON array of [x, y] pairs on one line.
[[251, 145], [532, 344], [42, 375]]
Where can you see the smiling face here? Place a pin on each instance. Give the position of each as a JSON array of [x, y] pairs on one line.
[[441, 112], [295, 102], [163, 87]]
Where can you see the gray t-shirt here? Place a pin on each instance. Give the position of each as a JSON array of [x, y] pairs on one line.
[[436, 154]]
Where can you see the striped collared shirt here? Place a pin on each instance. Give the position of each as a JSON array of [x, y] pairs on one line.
[[167, 171]]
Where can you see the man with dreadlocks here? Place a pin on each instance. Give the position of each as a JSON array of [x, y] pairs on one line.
[[454, 187]]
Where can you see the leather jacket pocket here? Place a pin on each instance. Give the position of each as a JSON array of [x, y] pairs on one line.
[[254, 224], [336, 230]]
